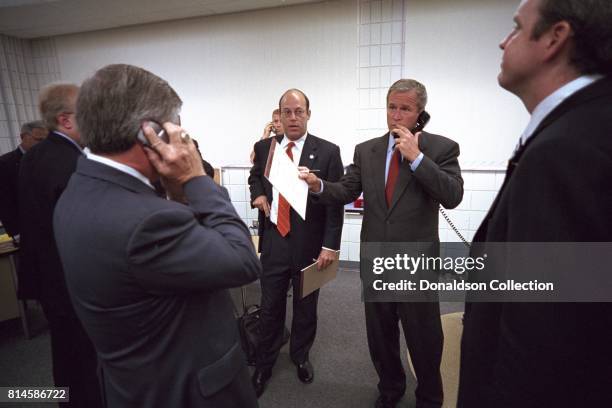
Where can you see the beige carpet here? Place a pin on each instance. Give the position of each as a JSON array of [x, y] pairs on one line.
[[452, 327]]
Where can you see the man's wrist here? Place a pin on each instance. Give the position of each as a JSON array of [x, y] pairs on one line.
[[415, 163]]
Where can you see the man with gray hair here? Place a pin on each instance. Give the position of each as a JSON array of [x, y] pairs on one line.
[[43, 175], [149, 276], [420, 171], [31, 133]]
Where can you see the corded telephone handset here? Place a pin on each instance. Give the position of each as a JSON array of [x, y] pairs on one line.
[[420, 124]]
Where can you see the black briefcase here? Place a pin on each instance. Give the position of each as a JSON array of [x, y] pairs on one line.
[[249, 327]]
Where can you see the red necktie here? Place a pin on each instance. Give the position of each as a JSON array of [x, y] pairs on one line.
[[282, 223], [392, 176]]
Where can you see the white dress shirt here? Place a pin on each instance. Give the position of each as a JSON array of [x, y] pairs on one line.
[[119, 166], [553, 100]]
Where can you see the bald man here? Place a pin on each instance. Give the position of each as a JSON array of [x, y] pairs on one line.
[[288, 243]]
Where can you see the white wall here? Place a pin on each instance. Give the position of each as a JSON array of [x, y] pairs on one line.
[[230, 70], [452, 47]]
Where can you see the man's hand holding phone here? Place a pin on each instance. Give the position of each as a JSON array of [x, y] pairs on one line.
[[407, 143], [267, 130], [176, 161]]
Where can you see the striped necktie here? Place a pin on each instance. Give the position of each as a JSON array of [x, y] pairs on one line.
[[283, 223]]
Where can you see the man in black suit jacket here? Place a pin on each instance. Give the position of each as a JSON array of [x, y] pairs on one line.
[[43, 175], [289, 244], [149, 276], [31, 133], [558, 61], [427, 175]]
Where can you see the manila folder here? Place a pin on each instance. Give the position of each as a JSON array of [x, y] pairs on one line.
[[312, 278]]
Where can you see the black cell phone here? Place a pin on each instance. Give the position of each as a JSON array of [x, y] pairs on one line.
[[419, 125], [161, 133]]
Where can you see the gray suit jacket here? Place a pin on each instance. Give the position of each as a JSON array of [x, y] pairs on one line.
[[148, 278], [413, 214]]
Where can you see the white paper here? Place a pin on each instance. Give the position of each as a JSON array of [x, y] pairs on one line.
[[284, 176]]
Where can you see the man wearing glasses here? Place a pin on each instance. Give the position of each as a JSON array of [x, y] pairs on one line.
[[288, 243]]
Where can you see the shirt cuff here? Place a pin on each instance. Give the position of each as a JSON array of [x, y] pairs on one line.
[[416, 162], [320, 189]]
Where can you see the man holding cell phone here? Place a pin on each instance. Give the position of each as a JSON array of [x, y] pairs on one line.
[[149, 276], [276, 127]]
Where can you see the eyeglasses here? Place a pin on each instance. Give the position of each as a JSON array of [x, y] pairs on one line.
[[299, 113]]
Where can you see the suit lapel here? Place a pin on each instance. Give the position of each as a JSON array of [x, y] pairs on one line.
[[309, 152], [378, 162], [267, 185], [597, 89], [404, 177]]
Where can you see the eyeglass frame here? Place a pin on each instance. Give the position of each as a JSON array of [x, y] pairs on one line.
[[299, 113]]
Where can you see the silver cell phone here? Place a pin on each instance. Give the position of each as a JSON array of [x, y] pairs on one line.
[[161, 133]]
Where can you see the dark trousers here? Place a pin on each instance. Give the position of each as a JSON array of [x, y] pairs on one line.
[[278, 272], [74, 358], [424, 338]]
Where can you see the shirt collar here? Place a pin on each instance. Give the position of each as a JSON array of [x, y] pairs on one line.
[[57, 132], [553, 100], [118, 166], [391, 144], [21, 149], [298, 143]]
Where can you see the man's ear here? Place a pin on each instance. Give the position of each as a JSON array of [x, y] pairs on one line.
[[558, 39], [65, 121]]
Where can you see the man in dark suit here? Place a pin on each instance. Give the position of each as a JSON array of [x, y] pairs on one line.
[[558, 61], [43, 175], [31, 133], [288, 243], [149, 276], [403, 181]]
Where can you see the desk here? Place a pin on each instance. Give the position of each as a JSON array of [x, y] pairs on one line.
[[10, 306]]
